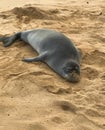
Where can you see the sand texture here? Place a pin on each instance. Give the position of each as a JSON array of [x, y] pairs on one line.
[[32, 96]]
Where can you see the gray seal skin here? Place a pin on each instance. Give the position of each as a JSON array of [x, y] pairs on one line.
[[54, 49]]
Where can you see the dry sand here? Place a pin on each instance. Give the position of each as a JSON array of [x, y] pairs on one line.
[[32, 96]]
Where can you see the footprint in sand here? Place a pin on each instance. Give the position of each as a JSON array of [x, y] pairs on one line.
[[57, 90], [66, 106], [90, 73], [94, 58]]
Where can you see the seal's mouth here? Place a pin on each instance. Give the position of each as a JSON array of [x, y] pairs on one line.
[[73, 77]]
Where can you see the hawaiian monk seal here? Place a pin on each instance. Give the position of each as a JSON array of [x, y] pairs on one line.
[[54, 49]]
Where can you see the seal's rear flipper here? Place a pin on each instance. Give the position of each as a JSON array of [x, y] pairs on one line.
[[7, 41], [41, 57]]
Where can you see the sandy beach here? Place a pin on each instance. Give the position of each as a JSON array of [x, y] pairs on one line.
[[32, 96]]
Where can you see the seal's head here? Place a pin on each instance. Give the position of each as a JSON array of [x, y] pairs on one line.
[[71, 71]]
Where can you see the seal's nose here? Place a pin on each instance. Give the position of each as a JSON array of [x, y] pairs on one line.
[[73, 77]]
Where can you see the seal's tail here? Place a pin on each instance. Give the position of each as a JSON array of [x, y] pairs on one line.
[[7, 41]]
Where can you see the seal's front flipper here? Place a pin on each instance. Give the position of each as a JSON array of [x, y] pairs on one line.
[[36, 59], [7, 41]]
